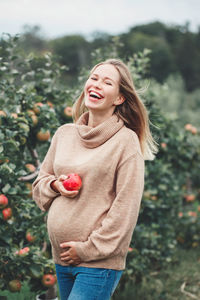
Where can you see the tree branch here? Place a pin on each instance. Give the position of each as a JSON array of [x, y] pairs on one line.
[[35, 156], [187, 293], [29, 177]]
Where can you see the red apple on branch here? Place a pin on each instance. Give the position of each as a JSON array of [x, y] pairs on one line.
[[73, 182], [30, 238], [68, 113], [7, 213], [23, 251], [3, 201], [48, 280], [14, 286], [30, 168]]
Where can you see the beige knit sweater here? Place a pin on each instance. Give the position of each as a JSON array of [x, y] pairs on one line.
[[102, 217]]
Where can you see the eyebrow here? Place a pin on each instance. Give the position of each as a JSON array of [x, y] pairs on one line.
[[104, 77]]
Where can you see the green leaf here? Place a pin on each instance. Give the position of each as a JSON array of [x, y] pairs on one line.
[[35, 270], [6, 188]]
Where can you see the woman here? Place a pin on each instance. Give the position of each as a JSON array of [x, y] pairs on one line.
[[90, 230]]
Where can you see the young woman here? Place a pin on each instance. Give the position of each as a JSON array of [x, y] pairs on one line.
[[90, 230]]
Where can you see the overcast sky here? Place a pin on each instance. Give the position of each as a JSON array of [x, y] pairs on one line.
[[63, 17]]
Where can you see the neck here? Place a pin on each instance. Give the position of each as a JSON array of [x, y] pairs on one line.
[[95, 118]]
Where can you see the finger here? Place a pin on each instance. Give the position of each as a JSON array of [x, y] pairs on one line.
[[65, 254], [71, 262], [61, 187], [62, 177], [72, 194], [67, 244], [65, 250], [65, 192], [66, 258]]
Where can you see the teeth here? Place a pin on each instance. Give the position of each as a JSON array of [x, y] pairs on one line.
[[93, 94]]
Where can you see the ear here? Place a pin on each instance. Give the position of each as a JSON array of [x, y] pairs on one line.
[[120, 99]]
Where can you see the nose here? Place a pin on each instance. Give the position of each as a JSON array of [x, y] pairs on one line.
[[97, 84]]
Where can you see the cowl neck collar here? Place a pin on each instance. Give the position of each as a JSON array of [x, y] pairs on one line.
[[92, 137]]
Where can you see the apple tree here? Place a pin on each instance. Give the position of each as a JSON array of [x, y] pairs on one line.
[[33, 104]]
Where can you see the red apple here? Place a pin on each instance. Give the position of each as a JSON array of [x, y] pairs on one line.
[[7, 213], [30, 167], [14, 286], [48, 280], [3, 201], [36, 107], [73, 182], [189, 197], [43, 136], [50, 104], [30, 238], [68, 113], [23, 251]]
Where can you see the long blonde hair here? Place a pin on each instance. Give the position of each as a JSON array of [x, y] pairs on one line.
[[132, 111]]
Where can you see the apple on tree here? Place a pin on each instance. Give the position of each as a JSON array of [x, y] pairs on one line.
[[3, 201], [68, 113], [23, 251], [73, 182], [48, 280], [14, 285], [37, 107], [29, 237], [30, 167], [43, 136], [7, 213]]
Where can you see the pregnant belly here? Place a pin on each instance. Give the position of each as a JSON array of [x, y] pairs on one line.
[[65, 224]]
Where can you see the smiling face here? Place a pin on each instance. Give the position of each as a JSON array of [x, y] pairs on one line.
[[102, 89]]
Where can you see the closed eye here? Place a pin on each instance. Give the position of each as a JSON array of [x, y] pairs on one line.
[[109, 83]]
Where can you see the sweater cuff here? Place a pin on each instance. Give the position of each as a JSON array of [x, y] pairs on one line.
[[52, 193]]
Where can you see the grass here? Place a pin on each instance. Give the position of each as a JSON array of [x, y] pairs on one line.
[[178, 282], [163, 285]]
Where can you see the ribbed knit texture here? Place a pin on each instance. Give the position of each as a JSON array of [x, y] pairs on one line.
[[94, 137], [102, 217]]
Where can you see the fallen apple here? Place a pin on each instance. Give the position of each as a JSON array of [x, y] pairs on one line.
[[73, 182], [3, 201]]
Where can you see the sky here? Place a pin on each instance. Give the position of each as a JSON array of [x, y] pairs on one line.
[[64, 17]]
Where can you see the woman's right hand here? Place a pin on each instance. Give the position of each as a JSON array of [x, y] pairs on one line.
[[57, 186]]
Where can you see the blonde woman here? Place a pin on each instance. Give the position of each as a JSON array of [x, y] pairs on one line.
[[90, 230]]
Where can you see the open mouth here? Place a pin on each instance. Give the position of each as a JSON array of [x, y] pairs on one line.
[[95, 95]]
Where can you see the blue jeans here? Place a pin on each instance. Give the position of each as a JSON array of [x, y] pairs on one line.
[[81, 283]]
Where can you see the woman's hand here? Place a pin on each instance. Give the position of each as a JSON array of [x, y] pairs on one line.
[[57, 186], [69, 255]]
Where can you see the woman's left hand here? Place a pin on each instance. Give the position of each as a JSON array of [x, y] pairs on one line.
[[69, 254]]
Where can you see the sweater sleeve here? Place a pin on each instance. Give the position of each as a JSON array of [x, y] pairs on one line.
[[43, 194], [114, 235]]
